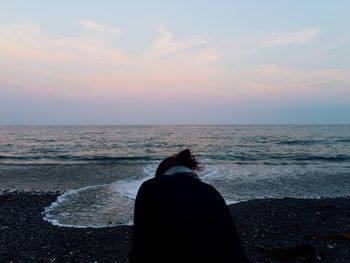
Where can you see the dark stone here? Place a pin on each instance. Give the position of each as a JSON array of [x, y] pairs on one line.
[[273, 229]]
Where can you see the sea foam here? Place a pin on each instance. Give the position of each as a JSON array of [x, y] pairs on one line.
[[99, 205]]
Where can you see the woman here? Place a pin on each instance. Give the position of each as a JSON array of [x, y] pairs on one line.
[[178, 218]]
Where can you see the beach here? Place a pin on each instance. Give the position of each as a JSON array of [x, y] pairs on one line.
[[98, 98], [272, 230], [85, 176]]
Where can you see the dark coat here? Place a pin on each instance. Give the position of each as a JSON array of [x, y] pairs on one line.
[[179, 219]]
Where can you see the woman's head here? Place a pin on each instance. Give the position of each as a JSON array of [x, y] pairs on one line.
[[183, 158]]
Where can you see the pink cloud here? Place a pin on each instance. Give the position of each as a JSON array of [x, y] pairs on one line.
[[92, 64], [287, 38], [165, 43]]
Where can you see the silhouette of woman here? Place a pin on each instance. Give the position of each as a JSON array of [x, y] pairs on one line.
[[178, 218]]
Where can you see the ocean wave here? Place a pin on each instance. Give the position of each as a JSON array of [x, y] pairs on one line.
[[97, 206], [302, 142], [343, 140], [93, 206], [311, 142], [57, 158], [277, 159], [112, 204], [323, 158], [309, 158], [241, 159]]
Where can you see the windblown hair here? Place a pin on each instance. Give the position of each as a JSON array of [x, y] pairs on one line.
[[184, 158]]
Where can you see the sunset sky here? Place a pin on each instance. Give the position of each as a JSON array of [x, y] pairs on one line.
[[175, 62]]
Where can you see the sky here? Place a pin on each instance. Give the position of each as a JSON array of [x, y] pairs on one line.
[[174, 62]]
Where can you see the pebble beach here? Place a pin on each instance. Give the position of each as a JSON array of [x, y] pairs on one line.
[[272, 230]]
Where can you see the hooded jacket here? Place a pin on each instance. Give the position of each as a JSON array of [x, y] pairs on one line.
[[178, 218]]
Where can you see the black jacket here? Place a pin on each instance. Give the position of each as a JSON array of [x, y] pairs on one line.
[[180, 219]]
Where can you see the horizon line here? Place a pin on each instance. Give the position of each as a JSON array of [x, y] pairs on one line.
[[180, 124]]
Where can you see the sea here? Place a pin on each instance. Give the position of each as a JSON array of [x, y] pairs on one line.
[[98, 169]]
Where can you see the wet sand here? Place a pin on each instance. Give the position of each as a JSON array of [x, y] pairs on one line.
[[272, 230]]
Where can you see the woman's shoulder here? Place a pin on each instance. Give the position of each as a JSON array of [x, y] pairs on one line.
[[212, 190], [194, 183], [148, 183]]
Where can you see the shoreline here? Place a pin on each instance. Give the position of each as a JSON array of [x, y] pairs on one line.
[[271, 230]]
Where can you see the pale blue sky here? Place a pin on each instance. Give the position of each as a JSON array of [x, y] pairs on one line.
[[174, 62]]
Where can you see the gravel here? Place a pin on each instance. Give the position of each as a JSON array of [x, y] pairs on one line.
[[272, 230]]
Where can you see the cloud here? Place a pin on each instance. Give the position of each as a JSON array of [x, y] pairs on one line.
[[286, 38], [27, 42], [293, 85], [97, 27], [252, 45], [165, 43], [93, 64]]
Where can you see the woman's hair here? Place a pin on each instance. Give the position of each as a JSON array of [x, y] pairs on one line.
[[183, 158]]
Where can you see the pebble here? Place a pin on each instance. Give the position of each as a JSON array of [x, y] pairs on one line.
[[261, 223]]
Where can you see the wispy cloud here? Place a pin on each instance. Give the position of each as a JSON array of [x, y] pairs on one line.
[[286, 38], [93, 63], [166, 44], [94, 26], [251, 45], [292, 84], [27, 42]]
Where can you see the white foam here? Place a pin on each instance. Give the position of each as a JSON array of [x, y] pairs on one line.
[[129, 188], [91, 204], [232, 201], [50, 212], [112, 204], [210, 171], [150, 169]]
